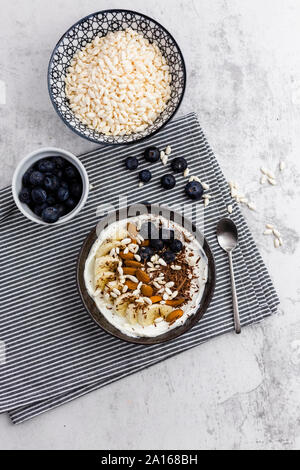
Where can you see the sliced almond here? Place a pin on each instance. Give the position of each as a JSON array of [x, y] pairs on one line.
[[146, 290], [128, 255], [156, 299], [142, 276], [175, 302], [130, 271], [173, 316], [133, 264], [131, 285]]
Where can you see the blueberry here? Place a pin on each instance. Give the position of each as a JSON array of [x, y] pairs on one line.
[[38, 208], [179, 165], [58, 172], [50, 215], [70, 203], [64, 184], [149, 231], [194, 190], [169, 257], [152, 154], [51, 200], [61, 209], [36, 178], [26, 177], [145, 176], [39, 195], [71, 173], [59, 162], [63, 194], [168, 182], [46, 166], [131, 163], [76, 190], [25, 196], [166, 235], [157, 244], [176, 246], [51, 183], [146, 252]]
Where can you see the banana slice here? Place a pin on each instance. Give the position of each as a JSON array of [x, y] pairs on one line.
[[105, 270], [132, 313], [149, 315], [115, 285], [105, 263], [122, 302], [106, 248], [104, 278]]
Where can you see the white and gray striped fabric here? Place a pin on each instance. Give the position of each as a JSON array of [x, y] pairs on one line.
[[54, 352]]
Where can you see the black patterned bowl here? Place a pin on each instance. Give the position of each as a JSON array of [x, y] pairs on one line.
[[99, 24]]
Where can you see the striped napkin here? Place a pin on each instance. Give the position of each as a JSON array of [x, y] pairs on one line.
[[50, 350]]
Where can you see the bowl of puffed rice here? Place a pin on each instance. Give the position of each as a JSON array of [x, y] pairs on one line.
[[116, 77]]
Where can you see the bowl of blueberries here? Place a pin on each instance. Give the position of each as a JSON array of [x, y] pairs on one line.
[[50, 186]]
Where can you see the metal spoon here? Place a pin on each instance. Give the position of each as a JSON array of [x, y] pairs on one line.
[[227, 235]]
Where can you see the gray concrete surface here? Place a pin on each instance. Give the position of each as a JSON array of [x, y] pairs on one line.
[[243, 60]]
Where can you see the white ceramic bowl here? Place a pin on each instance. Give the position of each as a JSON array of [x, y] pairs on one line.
[[32, 158]]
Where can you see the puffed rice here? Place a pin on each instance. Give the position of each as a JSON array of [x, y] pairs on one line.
[[118, 84]]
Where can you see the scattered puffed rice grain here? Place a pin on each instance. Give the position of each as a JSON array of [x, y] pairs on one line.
[[126, 241], [141, 184], [170, 284], [132, 278], [137, 257], [263, 179], [271, 227], [168, 150], [113, 295], [268, 232], [162, 262], [276, 243], [125, 289], [282, 166], [174, 295], [176, 268], [276, 233], [205, 186], [186, 173], [272, 181], [206, 202], [270, 175], [230, 209], [251, 206]]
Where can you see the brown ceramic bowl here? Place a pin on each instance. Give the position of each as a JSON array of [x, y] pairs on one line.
[[103, 323]]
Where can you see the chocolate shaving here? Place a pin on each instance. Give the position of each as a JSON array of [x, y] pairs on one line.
[[182, 279]]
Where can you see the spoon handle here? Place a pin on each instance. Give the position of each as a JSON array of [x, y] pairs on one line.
[[237, 323]]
